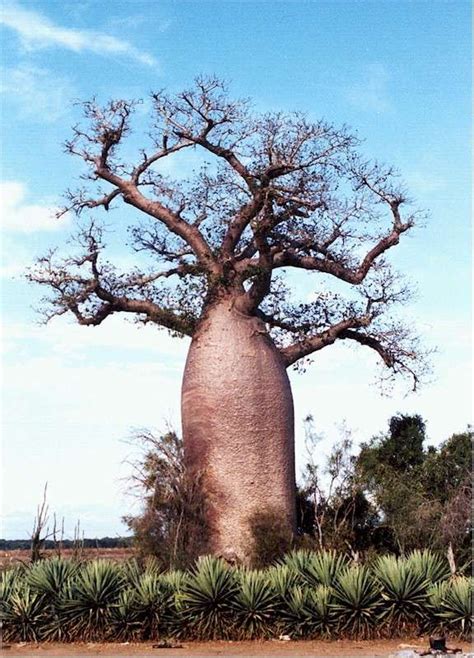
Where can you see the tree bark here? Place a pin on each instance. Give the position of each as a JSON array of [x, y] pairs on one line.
[[238, 426]]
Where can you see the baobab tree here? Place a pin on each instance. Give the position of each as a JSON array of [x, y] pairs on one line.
[[275, 193]]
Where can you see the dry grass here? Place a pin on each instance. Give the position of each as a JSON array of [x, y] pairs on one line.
[[8, 558]]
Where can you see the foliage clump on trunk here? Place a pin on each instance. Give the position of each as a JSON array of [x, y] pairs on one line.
[[270, 537]]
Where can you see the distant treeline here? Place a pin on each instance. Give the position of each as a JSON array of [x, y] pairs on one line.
[[104, 542]]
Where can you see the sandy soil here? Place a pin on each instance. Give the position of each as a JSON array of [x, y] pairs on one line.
[[382, 648]]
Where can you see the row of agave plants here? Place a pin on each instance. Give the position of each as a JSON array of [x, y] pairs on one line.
[[306, 595]]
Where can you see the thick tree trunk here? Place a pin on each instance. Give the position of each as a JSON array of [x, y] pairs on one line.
[[238, 425]]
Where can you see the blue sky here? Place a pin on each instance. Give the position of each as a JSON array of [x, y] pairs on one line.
[[397, 72]]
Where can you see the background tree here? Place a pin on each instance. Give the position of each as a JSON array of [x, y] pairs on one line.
[[332, 504], [422, 494], [171, 523], [281, 193]]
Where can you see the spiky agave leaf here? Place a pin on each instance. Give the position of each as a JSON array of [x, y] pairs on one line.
[[315, 567], [132, 572], [456, 605], [435, 597], [432, 566], [281, 578], [404, 593], [10, 579], [298, 561], [325, 567], [323, 619], [23, 614], [207, 599], [255, 605], [85, 608], [152, 565], [176, 579], [356, 601]]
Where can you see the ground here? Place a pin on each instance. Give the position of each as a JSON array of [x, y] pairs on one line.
[[382, 648]]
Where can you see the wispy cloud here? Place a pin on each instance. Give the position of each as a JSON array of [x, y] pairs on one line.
[[38, 95], [370, 91], [37, 32], [19, 216]]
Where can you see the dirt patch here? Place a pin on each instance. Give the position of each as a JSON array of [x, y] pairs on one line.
[[382, 648]]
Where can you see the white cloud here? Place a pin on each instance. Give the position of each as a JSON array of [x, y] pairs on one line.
[[16, 215], [370, 91], [36, 32], [66, 339], [39, 95]]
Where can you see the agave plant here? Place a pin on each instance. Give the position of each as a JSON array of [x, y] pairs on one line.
[[356, 602], [125, 621], [22, 613], [176, 579], [435, 596], [207, 599], [404, 593], [154, 600], [255, 605], [131, 572], [295, 613], [49, 577], [431, 566], [85, 607], [456, 605]]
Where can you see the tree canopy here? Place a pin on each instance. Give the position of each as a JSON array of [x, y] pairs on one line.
[[275, 192]]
